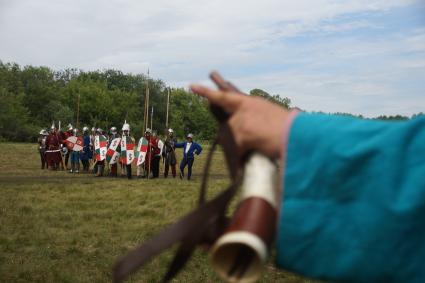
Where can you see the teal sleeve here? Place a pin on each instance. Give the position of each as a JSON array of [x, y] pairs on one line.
[[353, 207]]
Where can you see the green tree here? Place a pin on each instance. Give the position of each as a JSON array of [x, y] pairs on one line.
[[277, 99], [40, 89], [15, 124], [190, 113]]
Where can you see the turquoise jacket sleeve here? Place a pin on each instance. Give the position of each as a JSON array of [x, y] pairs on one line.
[[353, 207]]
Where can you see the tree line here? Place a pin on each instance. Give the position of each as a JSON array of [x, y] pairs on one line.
[[32, 97]]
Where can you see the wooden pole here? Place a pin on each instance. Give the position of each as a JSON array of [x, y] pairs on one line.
[[168, 108], [144, 112], [152, 119], [150, 152], [147, 108], [147, 104], [78, 110]]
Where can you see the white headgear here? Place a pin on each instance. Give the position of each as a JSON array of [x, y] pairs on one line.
[[170, 130], [126, 127], [85, 129], [70, 127], [190, 136], [148, 131]]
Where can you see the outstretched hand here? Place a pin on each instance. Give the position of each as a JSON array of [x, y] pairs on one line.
[[256, 123]]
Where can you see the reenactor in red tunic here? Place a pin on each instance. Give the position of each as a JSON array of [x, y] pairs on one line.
[[64, 136], [155, 155], [53, 154], [152, 144]]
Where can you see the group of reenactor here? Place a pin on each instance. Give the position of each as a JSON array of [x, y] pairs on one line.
[[99, 151]]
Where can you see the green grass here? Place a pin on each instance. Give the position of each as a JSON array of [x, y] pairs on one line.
[[61, 227]]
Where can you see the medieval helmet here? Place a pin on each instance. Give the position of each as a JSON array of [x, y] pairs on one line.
[[70, 127], [75, 131], [148, 131], [43, 132], [85, 129], [113, 130], [126, 127], [64, 150], [170, 130], [99, 130], [93, 129], [53, 127]]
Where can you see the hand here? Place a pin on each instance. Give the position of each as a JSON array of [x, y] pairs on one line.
[[256, 124]]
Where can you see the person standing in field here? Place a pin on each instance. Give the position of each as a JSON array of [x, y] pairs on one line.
[[190, 148], [75, 156], [53, 154], [100, 162], [169, 154], [92, 139], [64, 135], [42, 147], [86, 154], [156, 155], [113, 135], [126, 140], [147, 165]]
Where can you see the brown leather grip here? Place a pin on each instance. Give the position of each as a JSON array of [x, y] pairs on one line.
[[257, 216]]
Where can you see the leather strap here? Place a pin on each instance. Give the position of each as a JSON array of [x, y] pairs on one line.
[[201, 226]]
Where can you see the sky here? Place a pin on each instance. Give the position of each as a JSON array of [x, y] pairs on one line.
[[359, 56]]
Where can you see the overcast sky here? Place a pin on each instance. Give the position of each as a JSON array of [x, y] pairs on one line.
[[362, 56]]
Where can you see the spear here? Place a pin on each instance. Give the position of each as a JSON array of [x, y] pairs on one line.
[[150, 152], [147, 103], [168, 107], [152, 119], [78, 110]]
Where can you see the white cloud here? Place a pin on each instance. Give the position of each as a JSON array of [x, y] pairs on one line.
[[181, 41]]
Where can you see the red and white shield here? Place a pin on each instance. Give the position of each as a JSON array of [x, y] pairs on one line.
[[75, 143]]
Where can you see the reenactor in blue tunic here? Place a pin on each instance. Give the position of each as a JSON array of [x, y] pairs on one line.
[[190, 148]]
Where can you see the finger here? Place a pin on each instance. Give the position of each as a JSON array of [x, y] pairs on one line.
[[227, 100], [222, 83], [235, 124]]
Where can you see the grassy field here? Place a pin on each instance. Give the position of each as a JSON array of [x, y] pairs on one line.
[[62, 227]]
